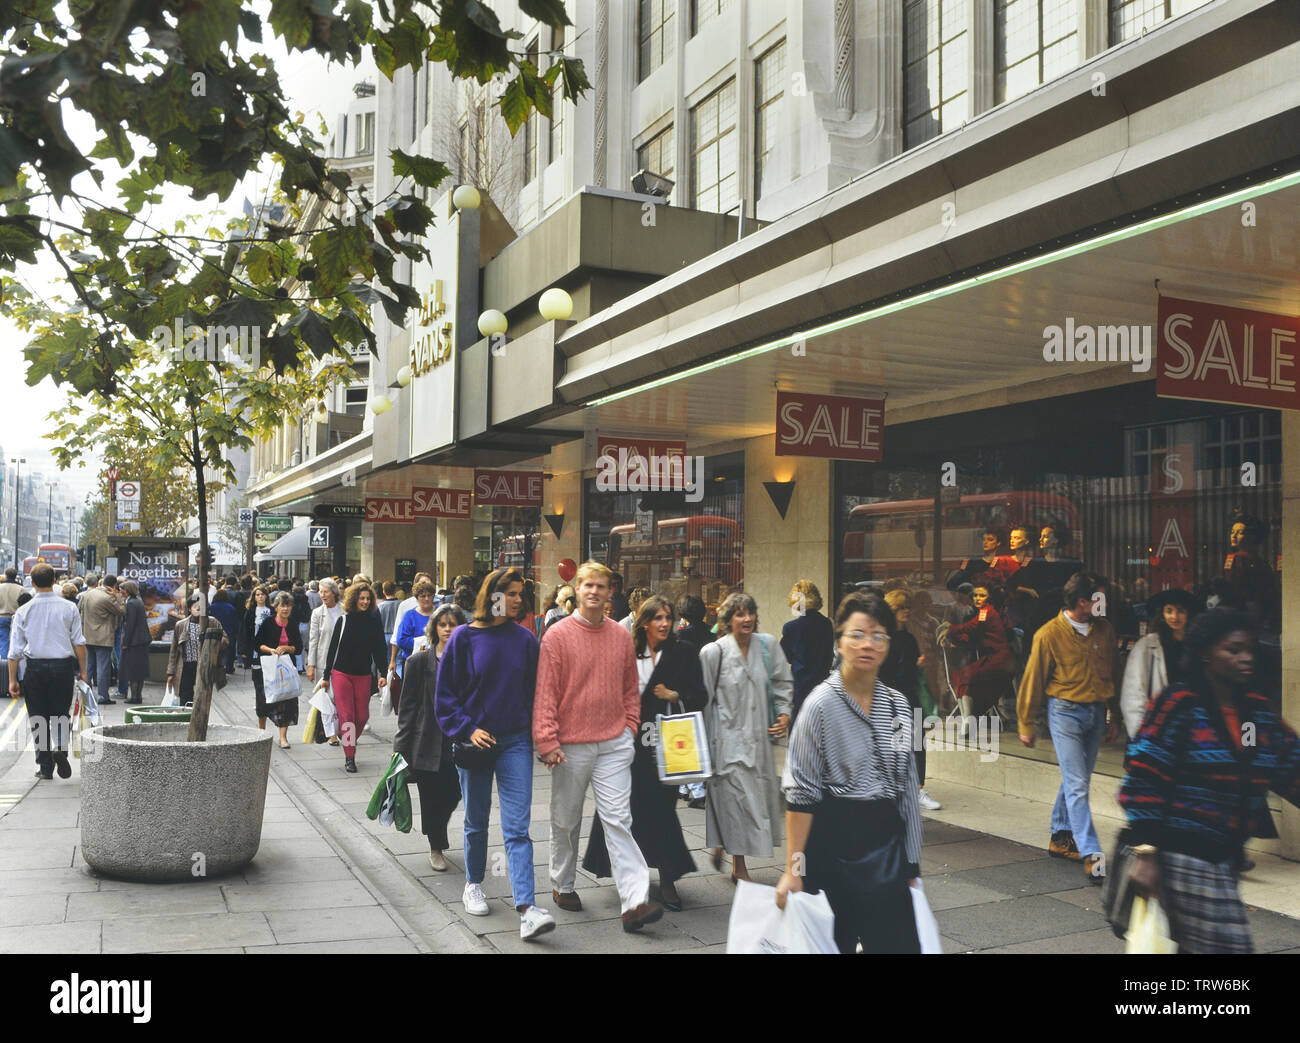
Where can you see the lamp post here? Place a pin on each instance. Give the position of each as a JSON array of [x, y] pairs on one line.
[[18, 490], [49, 520]]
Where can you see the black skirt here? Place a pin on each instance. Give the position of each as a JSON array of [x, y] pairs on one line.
[[655, 827], [843, 832]]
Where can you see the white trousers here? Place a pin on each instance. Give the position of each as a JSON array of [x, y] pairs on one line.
[[607, 768]]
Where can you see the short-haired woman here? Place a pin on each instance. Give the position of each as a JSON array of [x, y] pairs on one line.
[[1155, 658], [321, 625], [807, 640], [411, 628], [279, 635], [421, 741], [748, 682], [850, 786], [356, 648], [1208, 752], [670, 683], [486, 682]]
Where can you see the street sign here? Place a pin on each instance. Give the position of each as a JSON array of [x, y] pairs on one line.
[[128, 510], [112, 474], [128, 526], [319, 537], [128, 491], [246, 515], [273, 523]]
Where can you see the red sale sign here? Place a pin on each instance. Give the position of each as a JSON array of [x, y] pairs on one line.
[[829, 426], [429, 502], [1212, 353], [389, 510], [507, 488]]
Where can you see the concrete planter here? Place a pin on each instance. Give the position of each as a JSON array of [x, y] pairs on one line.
[[157, 808], [157, 714]]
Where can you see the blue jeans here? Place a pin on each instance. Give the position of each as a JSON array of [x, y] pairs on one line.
[[99, 668], [514, 774], [1077, 729]]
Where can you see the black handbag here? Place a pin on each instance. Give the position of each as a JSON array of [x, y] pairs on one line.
[[472, 758]]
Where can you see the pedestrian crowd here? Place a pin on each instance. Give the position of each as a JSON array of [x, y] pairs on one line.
[[483, 679]]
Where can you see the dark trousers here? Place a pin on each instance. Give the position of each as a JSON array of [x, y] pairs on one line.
[[48, 686], [439, 794], [137, 688], [189, 673]]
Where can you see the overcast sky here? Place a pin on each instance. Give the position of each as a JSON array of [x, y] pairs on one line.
[[312, 87]]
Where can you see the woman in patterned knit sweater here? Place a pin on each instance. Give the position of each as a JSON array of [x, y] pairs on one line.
[[1209, 749]]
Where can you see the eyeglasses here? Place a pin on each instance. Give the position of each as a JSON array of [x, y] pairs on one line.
[[859, 638]]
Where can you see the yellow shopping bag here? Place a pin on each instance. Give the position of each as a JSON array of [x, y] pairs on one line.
[[309, 729], [682, 753], [1148, 929]]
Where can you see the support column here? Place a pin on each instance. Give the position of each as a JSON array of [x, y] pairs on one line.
[[455, 548], [1289, 827]]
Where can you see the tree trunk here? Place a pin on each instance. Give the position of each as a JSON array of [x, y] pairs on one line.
[[209, 646]]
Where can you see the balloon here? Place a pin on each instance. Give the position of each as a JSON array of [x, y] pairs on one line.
[[567, 569]]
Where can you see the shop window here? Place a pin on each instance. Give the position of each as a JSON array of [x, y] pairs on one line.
[[669, 545], [1033, 41], [936, 68], [556, 130], [530, 126], [656, 34], [714, 152], [1131, 18]]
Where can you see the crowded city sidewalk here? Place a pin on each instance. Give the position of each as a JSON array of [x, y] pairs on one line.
[[327, 879]]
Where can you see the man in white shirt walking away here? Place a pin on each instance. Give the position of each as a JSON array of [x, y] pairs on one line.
[[47, 640]]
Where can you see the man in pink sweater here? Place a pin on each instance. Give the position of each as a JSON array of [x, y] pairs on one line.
[[585, 719]]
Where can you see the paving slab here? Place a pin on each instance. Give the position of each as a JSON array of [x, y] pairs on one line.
[[30, 910], [1005, 923], [143, 900], [1018, 879], [331, 924], [181, 933], [605, 936], [47, 814], [935, 831], [951, 892], [247, 898], [389, 945], [29, 853], [973, 854], [58, 938], [283, 868], [1101, 941], [46, 881]]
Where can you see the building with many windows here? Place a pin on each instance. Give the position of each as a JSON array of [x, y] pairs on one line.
[[908, 272]]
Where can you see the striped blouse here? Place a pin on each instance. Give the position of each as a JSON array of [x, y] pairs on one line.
[[831, 752]]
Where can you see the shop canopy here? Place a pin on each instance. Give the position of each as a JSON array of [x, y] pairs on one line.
[[292, 546]]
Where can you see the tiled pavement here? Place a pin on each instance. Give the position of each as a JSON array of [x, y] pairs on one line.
[[327, 879]]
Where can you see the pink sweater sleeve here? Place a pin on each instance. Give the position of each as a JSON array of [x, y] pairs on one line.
[[631, 687], [546, 725]]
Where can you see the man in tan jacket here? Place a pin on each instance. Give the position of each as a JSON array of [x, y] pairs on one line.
[[1073, 664], [102, 609]]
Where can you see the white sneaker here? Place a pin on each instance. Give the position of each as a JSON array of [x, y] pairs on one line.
[[928, 802], [475, 903], [534, 921]]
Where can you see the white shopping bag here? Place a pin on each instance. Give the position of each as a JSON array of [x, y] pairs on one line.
[[806, 924], [1148, 931], [386, 696], [927, 927], [87, 696], [323, 699], [170, 698], [279, 679]]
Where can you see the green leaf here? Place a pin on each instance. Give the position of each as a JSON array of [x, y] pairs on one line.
[[314, 332], [251, 25], [549, 12], [426, 172]]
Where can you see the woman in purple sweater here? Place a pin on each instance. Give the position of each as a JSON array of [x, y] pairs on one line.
[[484, 704]]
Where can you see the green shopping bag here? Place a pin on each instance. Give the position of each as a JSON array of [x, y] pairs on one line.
[[928, 708]]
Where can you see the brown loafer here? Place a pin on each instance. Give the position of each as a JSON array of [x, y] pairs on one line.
[[1062, 846], [569, 902], [1094, 868], [645, 913]]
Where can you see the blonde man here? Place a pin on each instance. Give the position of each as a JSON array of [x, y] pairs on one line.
[[585, 719]]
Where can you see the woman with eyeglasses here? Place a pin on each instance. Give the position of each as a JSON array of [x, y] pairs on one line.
[[749, 686], [853, 823]]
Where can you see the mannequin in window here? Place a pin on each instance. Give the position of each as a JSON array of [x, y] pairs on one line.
[[993, 569], [1044, 578], [979, 684], [1247, 574]]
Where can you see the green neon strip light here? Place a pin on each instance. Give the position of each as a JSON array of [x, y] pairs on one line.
[[1150, 225]]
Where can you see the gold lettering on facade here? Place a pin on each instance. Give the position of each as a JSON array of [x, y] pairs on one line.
[[433, 343]]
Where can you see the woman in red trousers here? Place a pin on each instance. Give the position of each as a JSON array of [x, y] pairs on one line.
[[356, 649]]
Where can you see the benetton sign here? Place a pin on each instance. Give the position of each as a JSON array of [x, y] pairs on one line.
[[507, 488], [1213, 353], [831, 427]]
